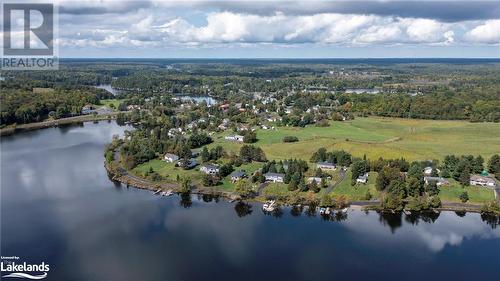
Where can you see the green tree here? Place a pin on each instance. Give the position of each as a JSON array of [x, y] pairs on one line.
[[385, 176], [205, 155], [464, 177], [464, 197]]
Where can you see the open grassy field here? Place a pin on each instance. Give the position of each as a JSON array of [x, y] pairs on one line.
[[477, 194], [110, 102], [167, 170], [358, 191], [380, 137]]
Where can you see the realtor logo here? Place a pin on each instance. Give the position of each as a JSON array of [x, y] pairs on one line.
[[28, 36]]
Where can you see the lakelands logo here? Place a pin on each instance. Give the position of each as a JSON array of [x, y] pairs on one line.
[[12, 267], [29, 36]]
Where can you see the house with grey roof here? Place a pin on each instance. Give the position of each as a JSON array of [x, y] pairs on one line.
[[274, 177]]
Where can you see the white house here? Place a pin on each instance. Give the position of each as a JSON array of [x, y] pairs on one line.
[[311, 179], [326, 166], [237, 138], [438, 180], [174, 131], [169, 157], [428, 170], [274, 177], [482, 181], [210, 169], [362, 179]]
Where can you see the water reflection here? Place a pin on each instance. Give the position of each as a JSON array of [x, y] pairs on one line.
[[59, 206], [243, 209]]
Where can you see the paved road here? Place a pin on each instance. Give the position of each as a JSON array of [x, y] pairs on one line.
[[261, 187], [333, 185]]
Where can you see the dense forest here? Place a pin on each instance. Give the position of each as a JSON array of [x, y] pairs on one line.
[[20, 106], [465, 91]]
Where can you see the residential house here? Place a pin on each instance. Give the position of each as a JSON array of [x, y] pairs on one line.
[[326, 166], [237, 138], [174, 131], [362, 179], [170, 158], [482, 181], [237, 175], [438, 180], [311, 179], [87, 109], [191, 163], [210, 169], [428, 170], [274, 177]]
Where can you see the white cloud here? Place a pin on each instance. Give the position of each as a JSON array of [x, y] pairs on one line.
[[488, 32], [319, 28]]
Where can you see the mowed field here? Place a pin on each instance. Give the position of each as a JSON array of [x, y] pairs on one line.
[[380, 137]]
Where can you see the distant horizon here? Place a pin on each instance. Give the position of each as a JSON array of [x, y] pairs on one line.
[[290, 58]]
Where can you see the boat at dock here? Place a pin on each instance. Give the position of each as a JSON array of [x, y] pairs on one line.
[[269, 206]]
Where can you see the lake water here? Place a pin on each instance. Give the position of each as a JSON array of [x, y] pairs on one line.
[[362, 91], [198, 99], [58, 206], [110, 89]]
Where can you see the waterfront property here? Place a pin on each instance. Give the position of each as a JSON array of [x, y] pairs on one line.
[[237, 175], [209, 169], [438, 180], [482, 181], [274, 177], [170, 158]]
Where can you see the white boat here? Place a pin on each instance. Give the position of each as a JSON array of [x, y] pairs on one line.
[[345, 210], [407, 212], [269, 206], [328, 211], [158, 191], [169, 193], [322, 211]]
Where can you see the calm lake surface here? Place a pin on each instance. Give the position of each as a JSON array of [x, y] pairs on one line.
[[110, 89], [58, 206]]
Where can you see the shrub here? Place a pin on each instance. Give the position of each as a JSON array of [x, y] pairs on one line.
[[290, 139]]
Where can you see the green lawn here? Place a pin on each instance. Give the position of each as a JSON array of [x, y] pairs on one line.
[[276, 189], [380, 137], [167, 170], [477, 194], [110, 102], [358, 191]]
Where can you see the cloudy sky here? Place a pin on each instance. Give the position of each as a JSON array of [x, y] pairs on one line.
[[270, 29]]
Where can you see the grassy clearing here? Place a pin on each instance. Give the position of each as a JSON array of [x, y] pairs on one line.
[[356, 192], [380, 137], [110, 102], [477, 194], [276, 189], [167, 170]]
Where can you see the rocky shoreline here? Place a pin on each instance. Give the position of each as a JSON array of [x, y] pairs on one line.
[[120, 175]]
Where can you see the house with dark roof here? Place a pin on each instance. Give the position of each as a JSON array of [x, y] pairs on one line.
[[237, 175]]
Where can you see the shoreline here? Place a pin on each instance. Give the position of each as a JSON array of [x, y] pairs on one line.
[[145, 184], [13, 129]]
